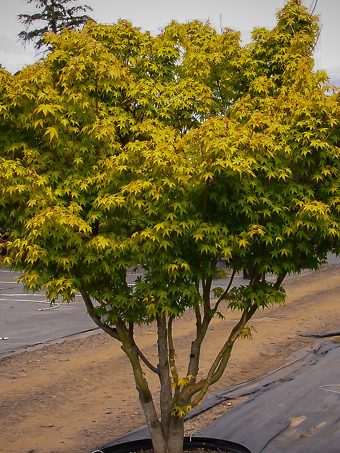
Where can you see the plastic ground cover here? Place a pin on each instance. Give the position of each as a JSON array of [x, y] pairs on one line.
[[295, 409]]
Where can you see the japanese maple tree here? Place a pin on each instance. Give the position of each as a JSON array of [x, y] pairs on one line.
[[168, 153]]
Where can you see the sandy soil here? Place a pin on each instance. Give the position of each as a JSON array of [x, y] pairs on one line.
[[76, 395]]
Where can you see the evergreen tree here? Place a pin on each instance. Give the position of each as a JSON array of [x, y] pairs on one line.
[[52, 15]]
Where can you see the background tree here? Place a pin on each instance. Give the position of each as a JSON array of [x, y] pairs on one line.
[[169, 153], [52, 16]]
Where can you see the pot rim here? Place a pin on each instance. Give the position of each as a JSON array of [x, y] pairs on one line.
[[189, 443]]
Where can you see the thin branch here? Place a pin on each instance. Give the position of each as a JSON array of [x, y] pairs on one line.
[[146, 361], [113, 331], [197, 305], [96, 319], [316, 40], [196, 345], [201, 330], [222, 297], [206, 295], [217, 368], [172, 361], [279, 280], [255, 276]]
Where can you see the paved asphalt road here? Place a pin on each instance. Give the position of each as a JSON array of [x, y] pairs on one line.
[[27, 319]]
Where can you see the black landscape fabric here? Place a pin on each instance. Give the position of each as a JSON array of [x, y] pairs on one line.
[[296, 409]]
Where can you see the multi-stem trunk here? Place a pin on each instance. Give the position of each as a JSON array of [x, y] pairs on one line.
[[167, 428]]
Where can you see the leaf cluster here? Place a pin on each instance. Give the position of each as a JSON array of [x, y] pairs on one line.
[[168, 152]]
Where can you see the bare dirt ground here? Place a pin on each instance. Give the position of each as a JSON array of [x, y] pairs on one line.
[[78, 394]]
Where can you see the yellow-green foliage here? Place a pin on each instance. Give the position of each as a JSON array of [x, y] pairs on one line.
[[123, 149]]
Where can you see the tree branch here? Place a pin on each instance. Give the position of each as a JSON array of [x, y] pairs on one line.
[[113, 331], [220, 362], [96, 319], [145, 395], [172, 361], [222, 297], [197, 305], [279, 280], [195, 351], [206, 295], [141, 355]]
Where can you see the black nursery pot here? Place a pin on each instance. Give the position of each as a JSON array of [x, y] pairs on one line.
[[190, 443]]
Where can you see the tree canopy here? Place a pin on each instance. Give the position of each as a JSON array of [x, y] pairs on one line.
[[52, 16], [168, 153]]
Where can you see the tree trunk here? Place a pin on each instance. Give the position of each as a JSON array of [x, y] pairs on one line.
[[155, 428], [176, 435], [164, 374], [174, 441]]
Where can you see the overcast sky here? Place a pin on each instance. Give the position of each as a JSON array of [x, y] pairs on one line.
[[242, 15]]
